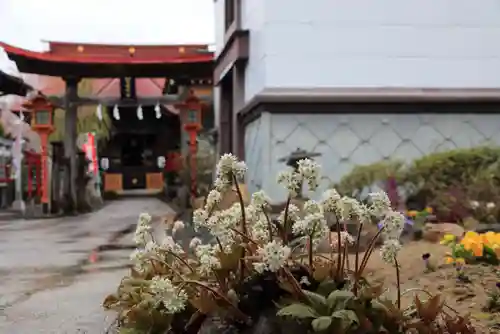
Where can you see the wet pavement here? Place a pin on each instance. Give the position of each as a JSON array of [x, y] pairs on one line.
[[53, 280]]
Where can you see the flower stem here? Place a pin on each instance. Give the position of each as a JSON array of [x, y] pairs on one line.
[[285, 220], [368, 252], [339, 250], [269, 225], [243, 226], [356, 261], [398, 281]]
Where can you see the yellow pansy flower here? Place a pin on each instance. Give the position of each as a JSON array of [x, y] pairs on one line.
[[460, 261], [429, 210], [449, 260], [448, 238]]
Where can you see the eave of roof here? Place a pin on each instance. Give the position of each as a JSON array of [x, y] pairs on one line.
[[205, 57]]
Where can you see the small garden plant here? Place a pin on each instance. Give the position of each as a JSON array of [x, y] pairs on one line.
[[257, 267], [474, 248]]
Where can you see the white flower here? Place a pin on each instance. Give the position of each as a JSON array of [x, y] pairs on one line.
[[145, 219], [345, 240], [490, 206], [213, 198], [291, 181], [208, 261], [229, 166], [200, 217], [293, 214], [273, 256], [389, 250], [312, 207], [310, 172], [173, 298], [168, 243], [474, 204], [393, 224], [313, 225], [380, 203], [138, 258], [152, 247], [195, 242], [331, 200], [260, 199], [349, 208], [178, 226], [143, 229]]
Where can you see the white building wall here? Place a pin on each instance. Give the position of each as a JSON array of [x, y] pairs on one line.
[[375, 43]]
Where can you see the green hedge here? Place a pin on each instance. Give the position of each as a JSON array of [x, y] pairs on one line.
[[448, 181]]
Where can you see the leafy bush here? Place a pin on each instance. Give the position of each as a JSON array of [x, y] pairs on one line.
[[446, 181], [259, 268]]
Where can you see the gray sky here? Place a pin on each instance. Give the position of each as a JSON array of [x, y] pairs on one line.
[[25, 23]]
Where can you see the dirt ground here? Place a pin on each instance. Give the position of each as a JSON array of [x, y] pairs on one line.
[[466, 298]]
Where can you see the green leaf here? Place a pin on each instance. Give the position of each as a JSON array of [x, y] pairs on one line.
[[300, 311], [347, 318], [337, 300], [321, 324], [317, 301], [326, 287]]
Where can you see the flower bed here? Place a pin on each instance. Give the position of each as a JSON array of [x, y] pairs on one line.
[[265, 275]]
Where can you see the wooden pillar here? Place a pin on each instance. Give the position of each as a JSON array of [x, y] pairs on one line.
[[70, 122], [57, 155]]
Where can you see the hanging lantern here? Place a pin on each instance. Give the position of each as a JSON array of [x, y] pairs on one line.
[[99, 112], [140, 115], [158, 110], [116, 113]]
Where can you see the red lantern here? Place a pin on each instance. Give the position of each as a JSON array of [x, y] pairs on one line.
[[42, 121]]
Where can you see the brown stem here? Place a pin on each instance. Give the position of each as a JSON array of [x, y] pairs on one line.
[[356, 260], [369, 251], [344, 260], [310, 252], [398, 281], [184, 262], [269, 224], [295, 284], [170, 268], [243, 225], [339, 250], [244, 236], [285, 220]]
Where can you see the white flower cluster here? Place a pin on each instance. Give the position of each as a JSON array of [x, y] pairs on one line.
[[228, 167], [147, 248], [273, 256], [308, 171], [392, 222], [314, 224], [173, 299]]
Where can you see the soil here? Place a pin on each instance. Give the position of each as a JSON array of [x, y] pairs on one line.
[[466, 298]]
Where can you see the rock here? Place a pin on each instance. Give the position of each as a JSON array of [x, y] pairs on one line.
[[435, 232]]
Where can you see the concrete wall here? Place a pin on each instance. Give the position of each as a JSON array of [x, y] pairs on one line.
[[383, 43], [346, 140]]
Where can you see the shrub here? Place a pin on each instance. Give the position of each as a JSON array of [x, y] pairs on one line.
[[446, 181], [257, 268]]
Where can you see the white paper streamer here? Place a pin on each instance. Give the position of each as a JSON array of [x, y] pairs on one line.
[[158, 111], [99, 112], [140, 115], [116, 113]]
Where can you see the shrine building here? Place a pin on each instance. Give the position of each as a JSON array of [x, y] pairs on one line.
[[141, 87], [354, 84]]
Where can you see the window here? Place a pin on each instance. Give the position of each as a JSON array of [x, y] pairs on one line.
[[229, 13]]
